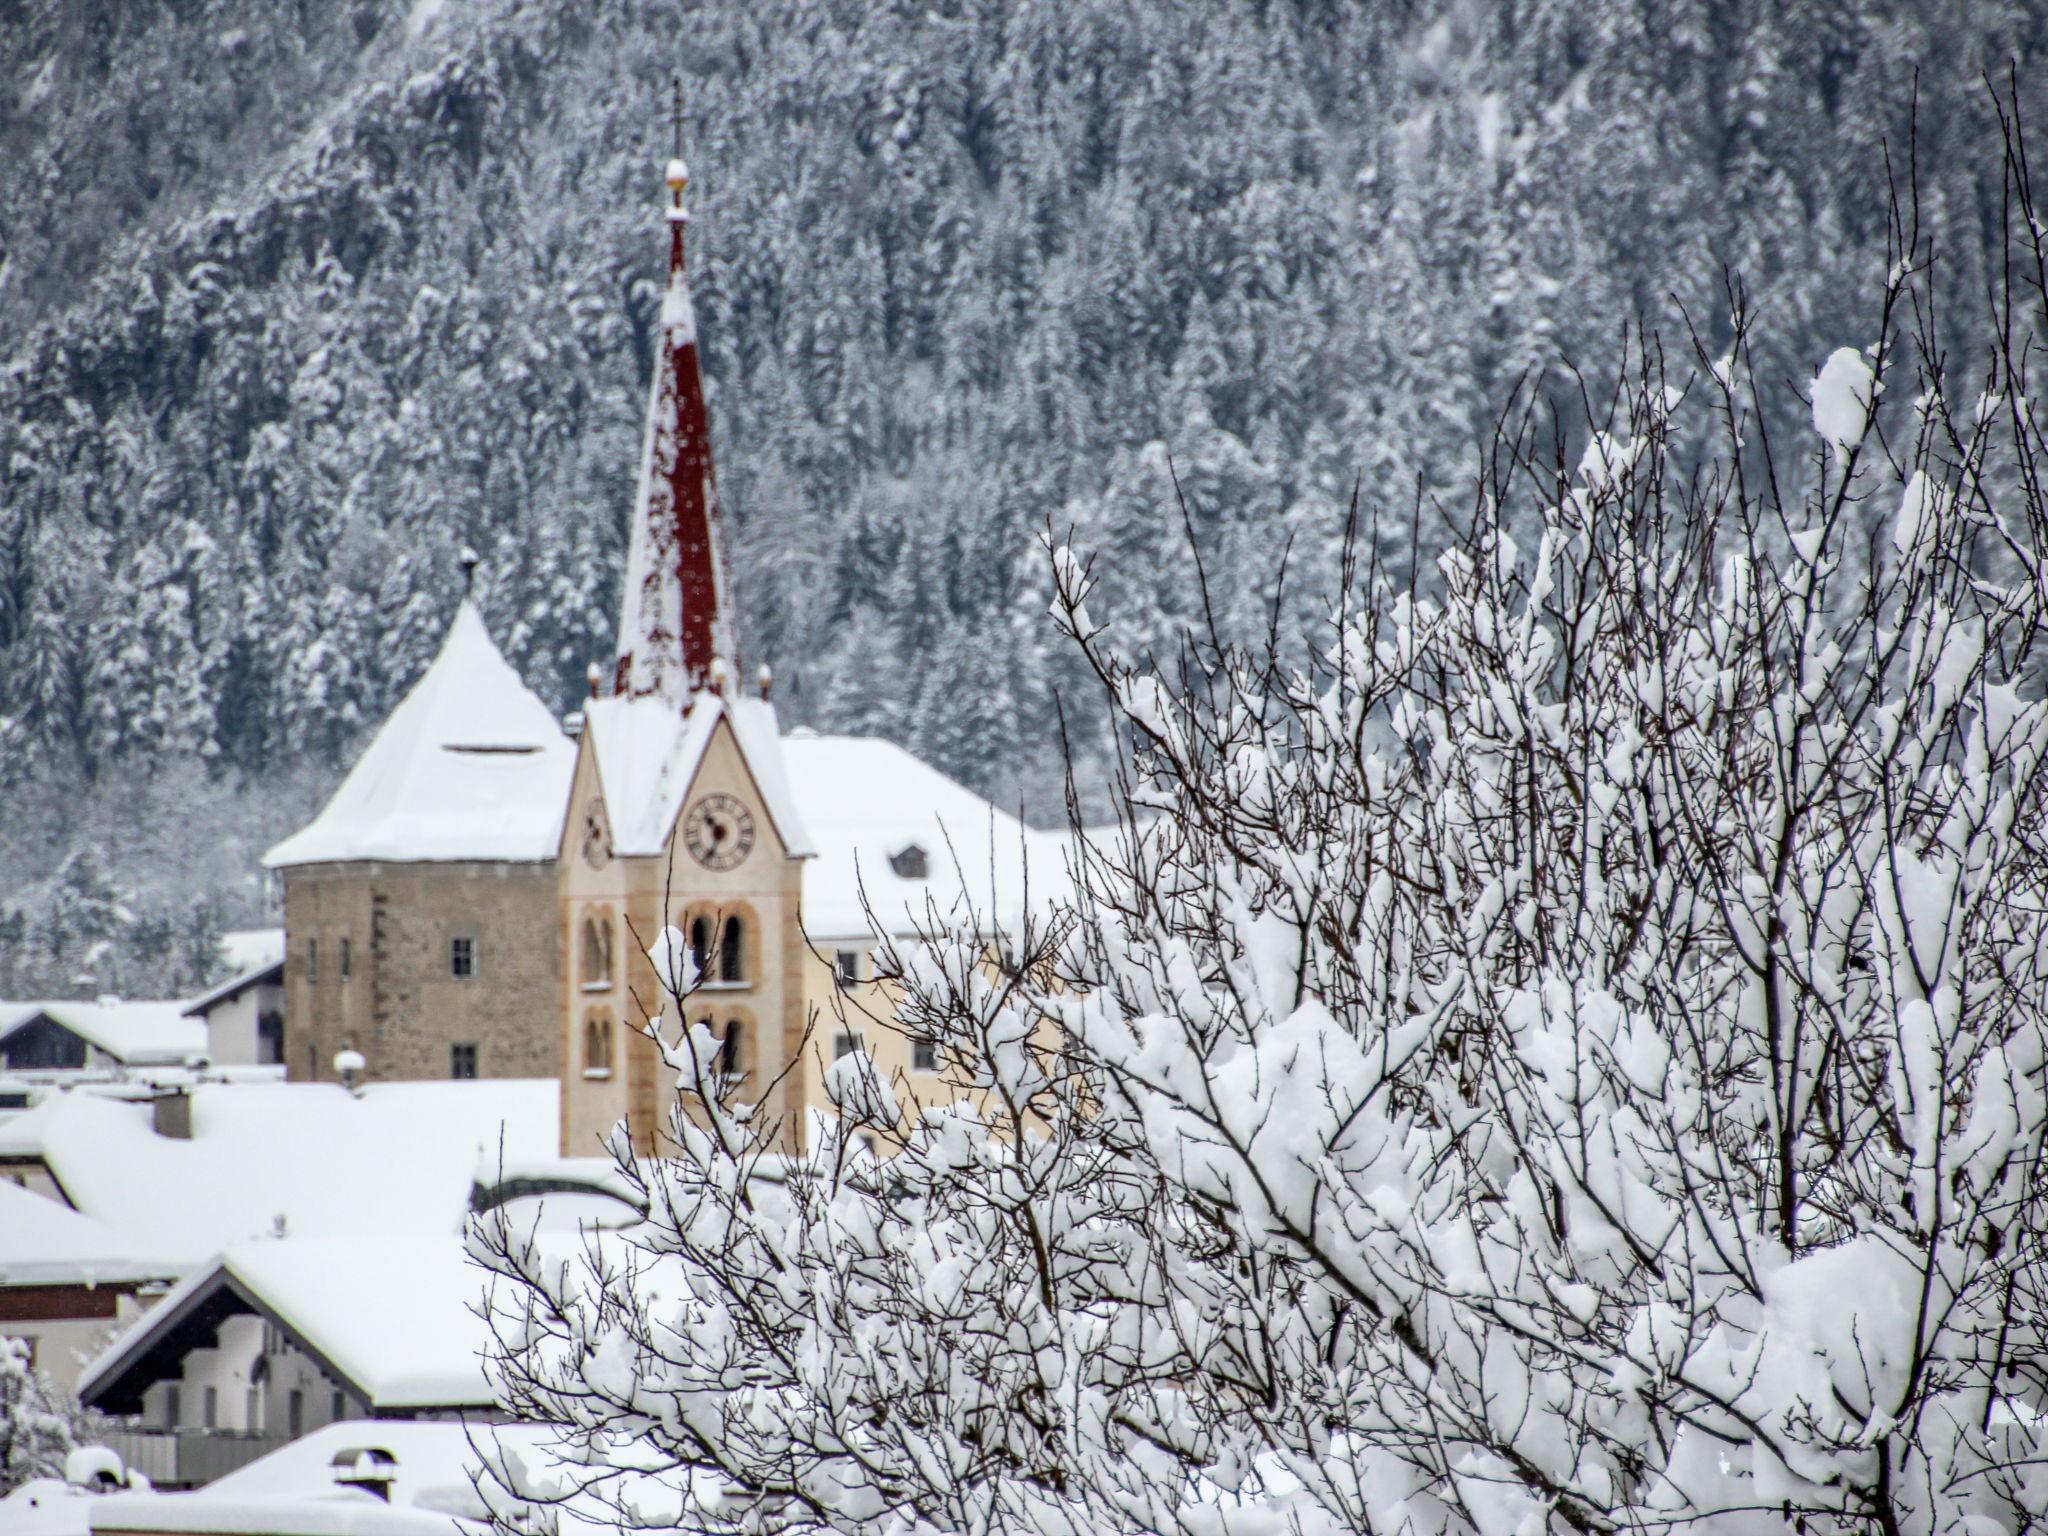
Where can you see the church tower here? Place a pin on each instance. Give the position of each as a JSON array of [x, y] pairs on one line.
[[675, 623], [680, 815]]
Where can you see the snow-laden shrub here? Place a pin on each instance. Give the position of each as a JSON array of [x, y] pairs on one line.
[[37, 1429], [1566, 1055]]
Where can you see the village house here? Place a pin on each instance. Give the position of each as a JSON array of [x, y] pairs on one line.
[[55, 1040]]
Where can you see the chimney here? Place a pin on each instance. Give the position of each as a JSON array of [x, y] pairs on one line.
[[171, 1113], [371, 1469]]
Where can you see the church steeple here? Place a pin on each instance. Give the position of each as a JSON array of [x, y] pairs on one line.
[[675, 625]]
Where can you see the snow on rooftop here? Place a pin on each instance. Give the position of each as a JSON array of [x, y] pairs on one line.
[[234, 986], [292, 1491], [648, 756], [399, 1317], [134, 1034], [868, 801], [471, 765], [44, 1243], [246, 949], [399, 1158]]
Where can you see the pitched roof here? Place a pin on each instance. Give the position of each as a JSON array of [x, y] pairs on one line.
[[471, 765], [398, 1158], [271, 971], [135, 1034], [648, 756], [243, 948], [44, 1243], [866, 800], [398, 1320]]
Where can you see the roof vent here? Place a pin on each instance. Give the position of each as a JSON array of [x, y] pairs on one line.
[[349, 1066], [911, 862], [370, 1468]]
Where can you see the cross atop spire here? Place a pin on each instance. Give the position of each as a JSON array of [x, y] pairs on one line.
[[674, 625]]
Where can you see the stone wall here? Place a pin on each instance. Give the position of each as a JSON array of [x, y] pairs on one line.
[[401, 1003]]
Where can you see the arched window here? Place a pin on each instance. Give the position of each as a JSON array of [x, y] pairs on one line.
[[597, 1044], [700, 946], [731, 949], [597, 950], [732, 1048]]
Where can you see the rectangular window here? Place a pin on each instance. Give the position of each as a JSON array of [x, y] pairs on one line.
[[462, 958], [252, 1411], [845, 1044], [462, 1061], [341, 961], [312, 959], [210, 1408], [340, 1408], [846, 965], [924, 1054], [174, 1405], [295, 1413]]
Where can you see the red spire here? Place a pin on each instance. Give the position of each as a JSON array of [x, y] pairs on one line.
[[673, 623]]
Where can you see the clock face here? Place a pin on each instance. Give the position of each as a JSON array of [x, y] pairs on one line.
[[719, 833], [597, 844]]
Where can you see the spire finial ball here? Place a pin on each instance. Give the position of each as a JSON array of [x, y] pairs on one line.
[[677, 175]]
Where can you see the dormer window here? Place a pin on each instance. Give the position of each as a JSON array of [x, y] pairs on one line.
[[911, 862]]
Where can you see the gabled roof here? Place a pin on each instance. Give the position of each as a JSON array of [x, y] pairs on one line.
[[396, 1320], [44, 1243], [243, 949], [471, 765], [271, 973], [648, 755], [396, 1159], [149, 1034], [867, 800]]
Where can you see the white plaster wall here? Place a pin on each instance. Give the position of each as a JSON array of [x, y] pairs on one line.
[[66, 1346]]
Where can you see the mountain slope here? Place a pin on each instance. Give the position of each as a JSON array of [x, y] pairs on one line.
[[298, 300]]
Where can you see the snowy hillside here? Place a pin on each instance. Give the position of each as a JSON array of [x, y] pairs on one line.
[[295, 301]]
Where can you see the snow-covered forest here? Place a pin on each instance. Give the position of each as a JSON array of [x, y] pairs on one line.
[[295, 300]]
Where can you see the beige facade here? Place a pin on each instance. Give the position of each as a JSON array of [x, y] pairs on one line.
[[612, 910], [429, 970]]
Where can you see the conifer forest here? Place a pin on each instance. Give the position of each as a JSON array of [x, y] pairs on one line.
[[299, 299]]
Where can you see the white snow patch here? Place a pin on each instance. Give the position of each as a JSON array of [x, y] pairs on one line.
[[422, 16], [1842, 397]]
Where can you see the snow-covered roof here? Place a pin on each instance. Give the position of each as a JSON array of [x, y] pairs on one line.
[[269, 972], [435, 1464], [648, 755], [867, 801], [44, 1243], [398, 1158], [397, 1318], [292, 1491], [244, 949], [134, 1034], [471, 765], [47, 1506]]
